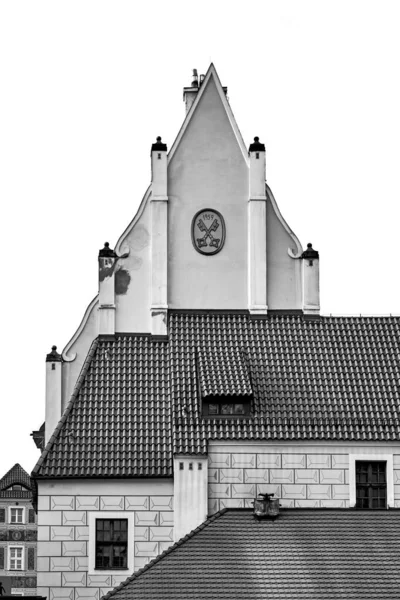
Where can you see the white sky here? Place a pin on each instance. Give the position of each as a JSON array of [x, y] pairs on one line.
[[85, 88]]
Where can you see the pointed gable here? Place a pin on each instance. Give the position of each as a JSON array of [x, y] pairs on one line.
[[208, 169]]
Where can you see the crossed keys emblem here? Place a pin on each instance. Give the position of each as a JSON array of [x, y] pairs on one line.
[[208, 233]]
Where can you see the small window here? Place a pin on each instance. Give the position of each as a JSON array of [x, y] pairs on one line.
[[181, 466], [371, 484], [111, 543], [200, 466], [16, 515], [222, 407], [190, 466], [16, 558], [16, 487]]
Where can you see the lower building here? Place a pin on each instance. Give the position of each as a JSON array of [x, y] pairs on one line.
[[18, 534]]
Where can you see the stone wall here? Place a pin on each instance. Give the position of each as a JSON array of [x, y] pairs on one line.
[[302, 476], [65, 510]]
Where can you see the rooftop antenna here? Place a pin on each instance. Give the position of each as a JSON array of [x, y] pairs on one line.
[[195, 82]]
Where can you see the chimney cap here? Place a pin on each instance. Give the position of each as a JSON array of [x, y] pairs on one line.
[[159, 145], [53, 356], [310, 252], [106, 251], [257, 146]]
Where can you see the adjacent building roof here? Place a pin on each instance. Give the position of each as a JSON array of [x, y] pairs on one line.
[[16, 475], [315, 553], [138, 400]]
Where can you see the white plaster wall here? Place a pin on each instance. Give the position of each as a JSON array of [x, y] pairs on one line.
[[133, 303], [208, 170], [190, 493], [302, 475], [65, 511], [284, 277], [80, 346]]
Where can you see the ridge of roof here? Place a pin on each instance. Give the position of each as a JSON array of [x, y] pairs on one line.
[[166, 552], [68, 408]]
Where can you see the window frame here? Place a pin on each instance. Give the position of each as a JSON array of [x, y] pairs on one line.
[[110, 515], [9, 558], [365, 468], [15, 507], [371, 457], [112, 543]]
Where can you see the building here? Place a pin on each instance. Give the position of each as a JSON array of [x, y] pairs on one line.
[[203, 374], [18, 534]]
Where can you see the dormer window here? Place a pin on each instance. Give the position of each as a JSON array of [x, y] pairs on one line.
[[224, 384], [371, 484]]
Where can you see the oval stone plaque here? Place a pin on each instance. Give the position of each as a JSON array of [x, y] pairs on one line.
[[208, 231]]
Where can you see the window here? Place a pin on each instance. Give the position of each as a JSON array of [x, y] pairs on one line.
[[368, 454], [111, 543], [371, 484], [16, 487], [225, 407], [16, 515], [16, 558]]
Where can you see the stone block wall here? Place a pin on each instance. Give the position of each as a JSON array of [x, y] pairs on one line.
[[302, 476], [63, 532]]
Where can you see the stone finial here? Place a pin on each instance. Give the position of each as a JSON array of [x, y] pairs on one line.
[[310, 252], [257, 146], [53, 356], [107, 251], [159, 146]]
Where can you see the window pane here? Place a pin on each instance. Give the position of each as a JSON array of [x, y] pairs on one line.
[[238, 409], [213, 409], [226, 409]]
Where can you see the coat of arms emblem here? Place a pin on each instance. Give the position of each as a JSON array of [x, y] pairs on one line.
[[208, 231]]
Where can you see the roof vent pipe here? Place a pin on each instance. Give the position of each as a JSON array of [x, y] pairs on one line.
[[195, 82]]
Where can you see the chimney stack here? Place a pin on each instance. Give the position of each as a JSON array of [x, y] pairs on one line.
[[107, 260], [159, 224], [257, 231], [310, 259], [190, 93], [53, 391]]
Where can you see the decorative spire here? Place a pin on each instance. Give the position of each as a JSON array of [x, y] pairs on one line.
[[257, 146], [310, 252], [159, 145], [53, 356], [107, 251]]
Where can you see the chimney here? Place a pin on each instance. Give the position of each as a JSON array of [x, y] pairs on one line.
[[257, 231], [107, 261], [310, 259], [190, 93], [159, 224], [53, 391]]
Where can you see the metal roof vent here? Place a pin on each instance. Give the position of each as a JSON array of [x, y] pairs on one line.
[[266, 506]]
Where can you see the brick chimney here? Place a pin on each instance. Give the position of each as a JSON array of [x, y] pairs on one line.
[[257, 231]]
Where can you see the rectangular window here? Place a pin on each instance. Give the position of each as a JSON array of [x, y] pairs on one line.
[[111, 544], [16, 515], [16, 558], [371, 484]]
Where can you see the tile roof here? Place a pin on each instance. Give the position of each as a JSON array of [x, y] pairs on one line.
[[223, 372], [309, 554], [15, 475], [137, 400], [118, 422]]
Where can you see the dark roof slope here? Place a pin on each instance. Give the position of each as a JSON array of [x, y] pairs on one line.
[[119, 423], [309, 554], [15, 475], [138, 400]]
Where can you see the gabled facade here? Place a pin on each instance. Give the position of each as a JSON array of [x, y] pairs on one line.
[[202, 373], [18, 534]]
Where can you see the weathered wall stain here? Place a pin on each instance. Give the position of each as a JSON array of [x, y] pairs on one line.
[[122, 281], [139, 238], [106, 271]]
